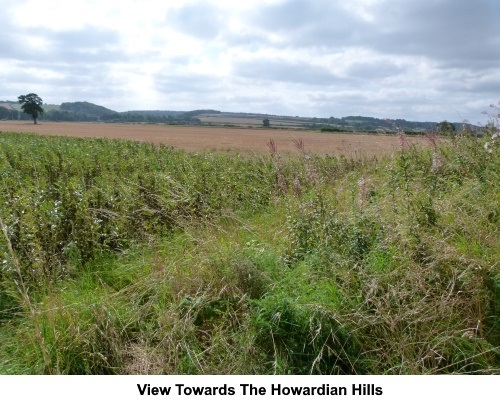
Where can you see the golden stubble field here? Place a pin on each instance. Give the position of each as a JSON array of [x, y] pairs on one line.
[[194, 138]]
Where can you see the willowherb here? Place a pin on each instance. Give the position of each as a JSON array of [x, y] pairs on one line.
[[467, 127], [281, 180], [436, 161], [297, 189], [431, 137], [311, 172], [273, 148], [403, 140]]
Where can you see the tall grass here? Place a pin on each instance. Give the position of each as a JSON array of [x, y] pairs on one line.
[[122, 257]]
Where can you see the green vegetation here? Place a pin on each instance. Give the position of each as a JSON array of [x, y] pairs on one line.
[[84, 111], [445, 128], [372, 125], [331, 129], [86, 108], [31, 104], [7, 113], [124, 257]]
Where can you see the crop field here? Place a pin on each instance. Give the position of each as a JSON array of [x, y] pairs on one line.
[[251, 121], [193, 138], [126, 257]]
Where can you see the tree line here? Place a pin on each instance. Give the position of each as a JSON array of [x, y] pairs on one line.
[[32, 106]]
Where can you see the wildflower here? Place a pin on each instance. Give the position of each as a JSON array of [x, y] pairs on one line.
[[403, 141], [495, 139], [431, 137], [436, 162], [296, 187]]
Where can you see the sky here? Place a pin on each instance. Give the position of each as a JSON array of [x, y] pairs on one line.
[[424, 60]]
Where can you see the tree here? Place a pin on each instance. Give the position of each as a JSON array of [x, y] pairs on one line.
[[266, 122], [445, 128], [31, 104]]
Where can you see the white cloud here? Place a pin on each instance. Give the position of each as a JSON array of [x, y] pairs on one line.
[[418, 59]]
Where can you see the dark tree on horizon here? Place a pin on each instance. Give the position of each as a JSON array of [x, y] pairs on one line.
[[445, 128], [31, 104]]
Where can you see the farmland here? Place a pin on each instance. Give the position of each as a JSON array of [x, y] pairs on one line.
[[198, 138], [126, 257], [253, 120]]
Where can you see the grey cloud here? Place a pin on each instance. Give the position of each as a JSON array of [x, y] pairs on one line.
[[486, 86], [89, 45], [247, 39], [284, 71], [8, 49], [304, 23], [197, 20], [374, 70], [86, 38], [454, 45], [7, 39], [65, 81], [489, 87], [195, 84], [450, 31], [455, 32], [63, 73], [287, 16]]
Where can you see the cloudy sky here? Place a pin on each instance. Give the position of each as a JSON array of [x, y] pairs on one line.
[[413, 59]]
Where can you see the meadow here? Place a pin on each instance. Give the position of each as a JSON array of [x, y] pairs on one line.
[[126, 257]]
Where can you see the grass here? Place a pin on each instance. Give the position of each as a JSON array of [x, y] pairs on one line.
[[120, 257]]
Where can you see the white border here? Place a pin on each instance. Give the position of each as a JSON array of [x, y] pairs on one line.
[[122, 390]]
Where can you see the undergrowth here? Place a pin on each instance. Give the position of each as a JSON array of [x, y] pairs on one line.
[[127, 258]]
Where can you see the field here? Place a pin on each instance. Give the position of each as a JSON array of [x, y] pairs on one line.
[[252, 121], [125, 257], [193, 138]]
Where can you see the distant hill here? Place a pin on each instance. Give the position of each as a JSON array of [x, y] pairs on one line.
[[154, 113], [86, 108], [370, 123], [85, 111], [169, 113], [7, 112], [8, 104]]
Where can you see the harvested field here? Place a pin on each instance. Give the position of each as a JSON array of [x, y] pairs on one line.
[[193, 138], [250, 121]]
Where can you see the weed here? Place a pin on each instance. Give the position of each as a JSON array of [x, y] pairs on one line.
[[121, 257]]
